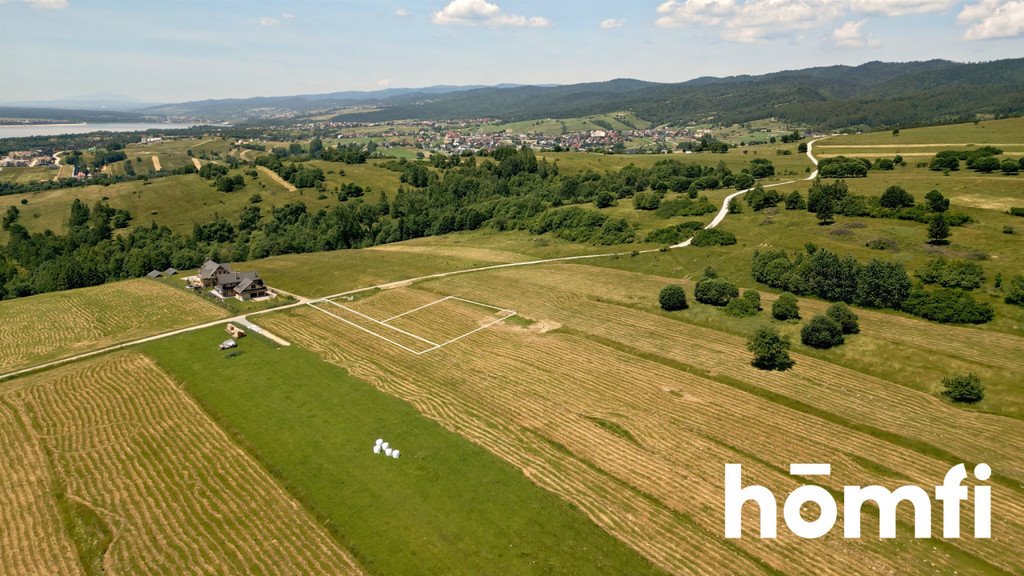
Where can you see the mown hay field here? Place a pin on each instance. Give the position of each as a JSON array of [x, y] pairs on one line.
[[50, 326], [122, 473], [631, 414]]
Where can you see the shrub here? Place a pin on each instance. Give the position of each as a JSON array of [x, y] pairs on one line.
[[936, 201], [604, 199], [1007, 229], [882, 285], [770, 349], [952, 273], [743, 181], [748, 305], [686, 207], [948, 305], [794, 201], [646, 200], [938, 229], [822, 332], [1015, 211], [896, 197], [715, 291], [786, 307], [1009, 167], [846, 318], [843, 167], [882, 244], [672, 298], [759, 198], [673, 234], [713, 237], [965, 389], [1016, 293]]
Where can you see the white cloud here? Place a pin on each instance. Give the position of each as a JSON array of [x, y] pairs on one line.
[[675, 13], [267, 21], [900, 7], [611, 23], [47, 4], [477, 12], [751, 20], [755, 20], [401, 13], [990, 19], [288, 15], [849, 35], [384, 82]]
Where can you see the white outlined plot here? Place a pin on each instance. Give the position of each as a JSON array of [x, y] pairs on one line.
[[424, 327]]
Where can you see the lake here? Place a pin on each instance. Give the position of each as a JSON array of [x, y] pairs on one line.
[[22, 130]]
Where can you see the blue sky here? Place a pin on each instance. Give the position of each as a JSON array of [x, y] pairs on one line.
[[165, 51]]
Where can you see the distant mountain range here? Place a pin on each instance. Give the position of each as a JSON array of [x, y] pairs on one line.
[[872, 95]]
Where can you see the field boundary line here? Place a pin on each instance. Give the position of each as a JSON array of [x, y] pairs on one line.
[[475, 303], [415, 309], [374, 320], [474, 331], [368, 331]]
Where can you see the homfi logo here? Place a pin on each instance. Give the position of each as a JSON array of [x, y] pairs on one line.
[[950, 493]]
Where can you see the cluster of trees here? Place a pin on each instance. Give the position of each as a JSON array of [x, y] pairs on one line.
[[713, 237], [579, 225], [831, 328], [983, 159], [673, 234], [714, 290], [877, 284], [834, 198], [843, 167], [299, 175]]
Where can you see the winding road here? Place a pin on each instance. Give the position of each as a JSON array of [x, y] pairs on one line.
[[723, 212]]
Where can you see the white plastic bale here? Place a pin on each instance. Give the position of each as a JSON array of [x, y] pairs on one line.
[[385, 445], [376, 449], [388, 451], [395, 453], [379, 441]]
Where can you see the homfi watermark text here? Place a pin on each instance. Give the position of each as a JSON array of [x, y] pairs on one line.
[[950, 493]]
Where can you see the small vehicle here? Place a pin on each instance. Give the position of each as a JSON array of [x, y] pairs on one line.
[[228, 344]]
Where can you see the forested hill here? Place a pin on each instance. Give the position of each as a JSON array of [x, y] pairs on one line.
[[872, 95]]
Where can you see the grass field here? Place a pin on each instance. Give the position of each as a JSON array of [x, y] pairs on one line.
[[446, 506], [27, 174], [324, 273], [786, 167], [58, 324], [125, 474], [628, 413], [1010, 130]]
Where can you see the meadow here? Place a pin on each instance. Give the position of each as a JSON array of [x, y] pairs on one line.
[[629, 412], [447, 506], [27, 174], [586, 434]]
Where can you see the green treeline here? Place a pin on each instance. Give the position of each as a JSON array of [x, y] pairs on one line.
[[506, 189]]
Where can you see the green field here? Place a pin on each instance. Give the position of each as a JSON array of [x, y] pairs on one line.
[[1007, 131], [447, 506], [27, 174]]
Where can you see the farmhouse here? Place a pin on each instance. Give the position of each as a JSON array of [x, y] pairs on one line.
[[209, 271], [227, 283]]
